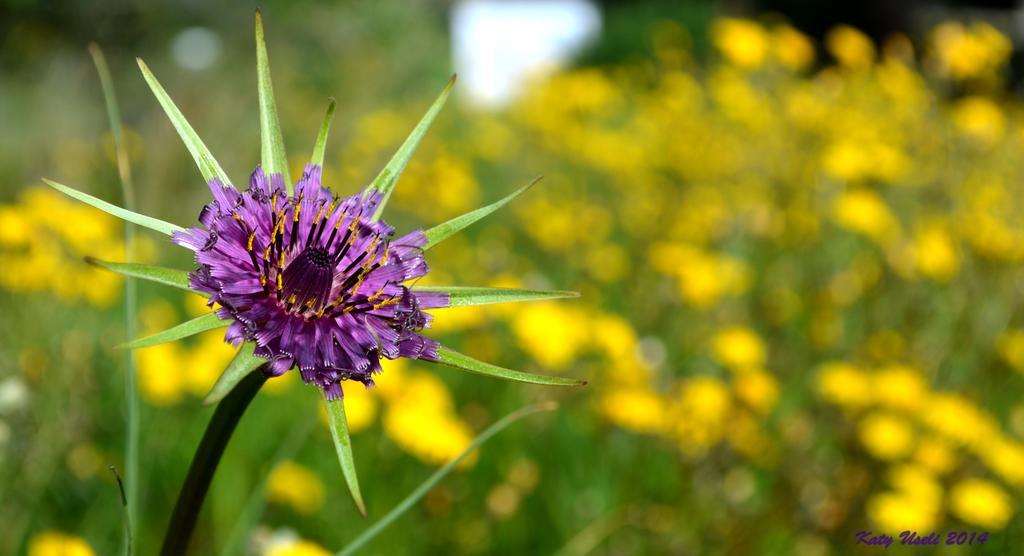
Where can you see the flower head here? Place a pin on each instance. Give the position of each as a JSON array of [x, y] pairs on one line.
[[311, 278]]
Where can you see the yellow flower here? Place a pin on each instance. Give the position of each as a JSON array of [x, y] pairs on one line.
[[850, 47], [742, 42], [420, 416], [758, 389], [981, 503], [886, 436], [53, 543], [936, 253], [967, 53], [894, 512], [900, 387], [1011, 348], [863, 211], [979, 118], [1006, 459], [844, 384], [792, 48], [160, 373], [634, 408], [291, 484], [738, 347], [935, 455], [552, 333], [297, 548]]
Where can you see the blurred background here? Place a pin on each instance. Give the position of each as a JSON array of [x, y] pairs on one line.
[[796, 226]]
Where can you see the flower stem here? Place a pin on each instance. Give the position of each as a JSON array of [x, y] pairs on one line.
[[204, 463]]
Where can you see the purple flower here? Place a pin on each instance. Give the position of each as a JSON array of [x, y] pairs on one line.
[[312, 279]]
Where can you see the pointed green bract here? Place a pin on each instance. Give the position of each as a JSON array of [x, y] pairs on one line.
[[321, 138], [384, 183], [207, 164], [343, 445], [441, 232], [436, 477], [159, 274], [467, 363], [461, 296], [114, 210], [271, 141], [192, 327], [124, 214], [244, 362]]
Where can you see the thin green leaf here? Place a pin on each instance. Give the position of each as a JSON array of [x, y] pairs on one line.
[[441, 473], [192, 327], [244, 362], [271, 141], [343, 445], [460, 296], [207, 164], [321, 139], [441, 232], [124, 214], [159, 274], [467, 363], [384, 183]]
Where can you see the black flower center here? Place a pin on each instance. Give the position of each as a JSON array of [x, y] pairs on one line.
[[307, 281]]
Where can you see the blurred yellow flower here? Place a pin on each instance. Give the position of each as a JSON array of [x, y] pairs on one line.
[[935, 455], [850, 47], [634, 408], [297, 548], [900, 387], [1011, 348], [886, 436], [979, 118], [742, 42], [844, 384], [970, 52], [792, 48], [738, 347], [160, 370], [552, 333], [53, 543], [936, 253], [296, 486], [894, 512], [865, 212], [981, 503], [757, 388]]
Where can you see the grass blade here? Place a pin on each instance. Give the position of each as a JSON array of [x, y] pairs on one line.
[[467, 363], [114, 210], [192, 327], [159, 274], [384, 183], [343, 445], [436, 477], [207, 164], [271, 142], [439, 233], [321, 139], [244, 362], [462, 296], [130, 500]]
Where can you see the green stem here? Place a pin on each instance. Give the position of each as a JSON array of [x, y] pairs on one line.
[[204, 463], [124, 171]]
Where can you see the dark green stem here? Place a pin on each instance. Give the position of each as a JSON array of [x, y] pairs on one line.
[[204, 463]]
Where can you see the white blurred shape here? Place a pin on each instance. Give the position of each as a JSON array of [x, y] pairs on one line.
[[195, 48], [13, 395], [497, 45]]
